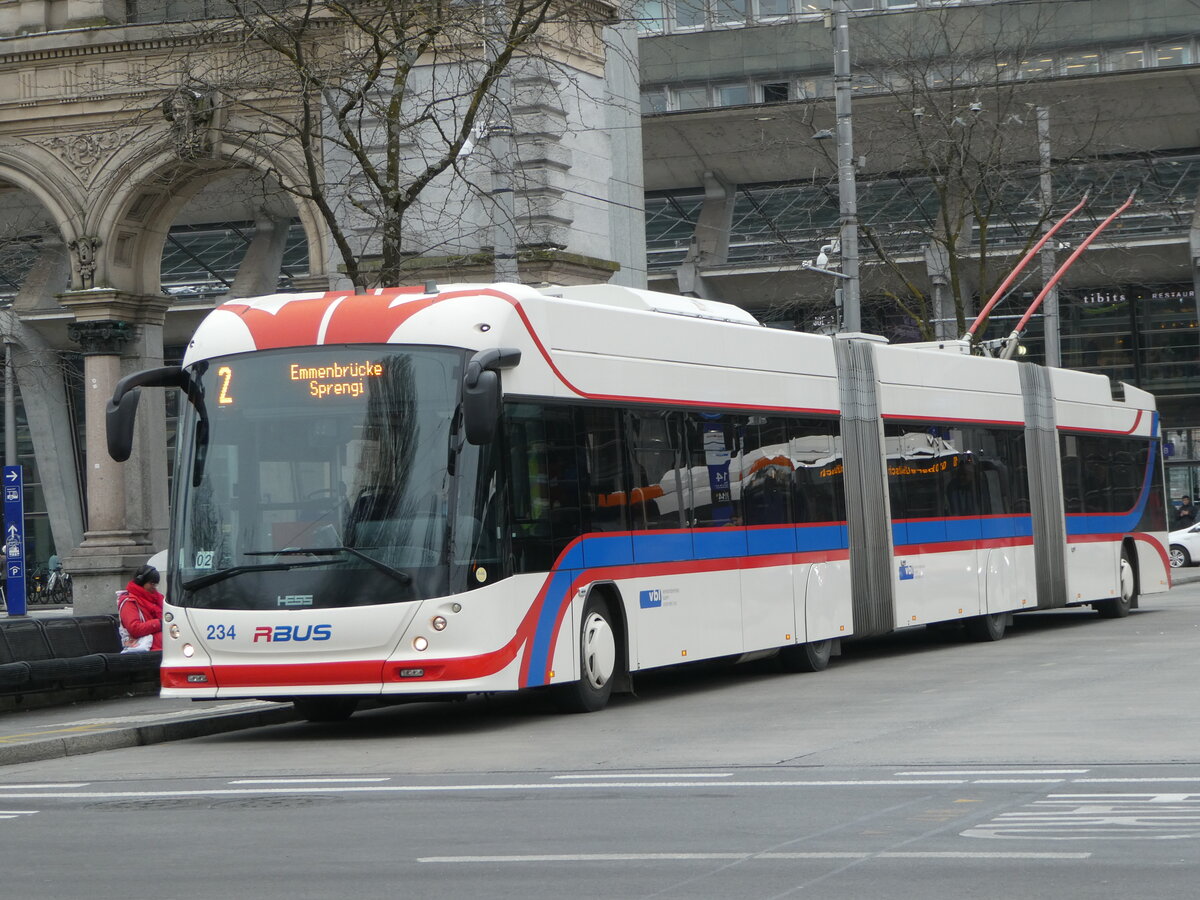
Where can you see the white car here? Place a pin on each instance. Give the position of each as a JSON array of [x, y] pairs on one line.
[[1185, 547]]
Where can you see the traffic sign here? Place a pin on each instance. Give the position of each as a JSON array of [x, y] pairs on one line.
[[14, 540]]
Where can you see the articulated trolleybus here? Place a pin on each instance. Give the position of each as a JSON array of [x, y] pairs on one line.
[[443, 491]]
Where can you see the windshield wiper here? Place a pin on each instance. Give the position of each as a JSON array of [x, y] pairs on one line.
[[402, 577], [213, 578]]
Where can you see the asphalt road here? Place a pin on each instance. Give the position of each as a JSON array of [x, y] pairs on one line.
[[1062, 761]]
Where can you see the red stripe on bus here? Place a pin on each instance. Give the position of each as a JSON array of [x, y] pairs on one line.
[[1130, 430], [956, 546], [903, 417]]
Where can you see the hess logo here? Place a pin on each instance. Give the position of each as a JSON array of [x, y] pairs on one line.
[[278, 634]]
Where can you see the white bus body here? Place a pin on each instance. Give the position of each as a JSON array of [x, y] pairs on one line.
[[720, 585]]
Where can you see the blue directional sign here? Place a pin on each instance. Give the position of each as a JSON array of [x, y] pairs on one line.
[[14, 539]]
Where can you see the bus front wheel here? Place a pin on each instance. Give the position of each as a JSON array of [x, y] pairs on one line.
[[325, 709], [597, 662]]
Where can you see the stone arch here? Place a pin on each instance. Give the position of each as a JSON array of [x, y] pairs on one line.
[[146, 194], [44, 184]]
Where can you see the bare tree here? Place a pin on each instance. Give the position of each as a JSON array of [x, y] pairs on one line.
[[382, 107], [946, 107]]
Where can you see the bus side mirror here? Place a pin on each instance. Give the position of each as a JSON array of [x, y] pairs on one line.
[[481, 392], [121, 413], [481, 408], [118, 423]]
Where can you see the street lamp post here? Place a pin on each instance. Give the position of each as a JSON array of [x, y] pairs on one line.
[[847, 189]]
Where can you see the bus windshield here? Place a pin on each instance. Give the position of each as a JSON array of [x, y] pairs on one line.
[[318, 477]]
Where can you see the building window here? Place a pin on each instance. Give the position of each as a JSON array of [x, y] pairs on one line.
[[690, 98], [775, 92], [732, 95], [1081, 63], [1176, 53], [772, 9], [1127, 58], [654, 101], [729, 12], [649, 16], [1040, 67], [689, 14]]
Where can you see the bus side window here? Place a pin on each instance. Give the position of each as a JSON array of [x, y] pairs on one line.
[[765, 473], [818, 486], [656, 498], [544, 475], [604, 491], [711, 449], [1072, 474]]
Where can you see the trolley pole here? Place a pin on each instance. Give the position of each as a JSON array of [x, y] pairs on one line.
[[847, 188]]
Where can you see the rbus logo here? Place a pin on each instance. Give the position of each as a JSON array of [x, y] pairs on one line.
[[281, 633]]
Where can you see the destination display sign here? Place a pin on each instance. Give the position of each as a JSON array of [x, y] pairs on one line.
[[321, 382]]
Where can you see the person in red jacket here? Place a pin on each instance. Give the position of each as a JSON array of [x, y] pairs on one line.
[[140, 607]]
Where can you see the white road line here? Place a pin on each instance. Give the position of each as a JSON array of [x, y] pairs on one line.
[[1192, 779], [307, 780], [30, 787], [1018, 781], [998, 772], [444, 788], [685, 857], [651, 775]]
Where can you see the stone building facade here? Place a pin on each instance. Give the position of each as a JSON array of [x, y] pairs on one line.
[[110, 145]]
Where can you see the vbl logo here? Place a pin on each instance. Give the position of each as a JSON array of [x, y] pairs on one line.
[[650, 599], [281, 633]]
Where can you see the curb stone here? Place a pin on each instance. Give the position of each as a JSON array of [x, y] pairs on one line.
[[117, 738]]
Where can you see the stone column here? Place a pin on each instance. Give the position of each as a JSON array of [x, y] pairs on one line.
[[126, 502]]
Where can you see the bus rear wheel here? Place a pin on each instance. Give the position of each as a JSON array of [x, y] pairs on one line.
[[325, 709], [810, 657], [597, 662], [1119, 607], [989, 627]]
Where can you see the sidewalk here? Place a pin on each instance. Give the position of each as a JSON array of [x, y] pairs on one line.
[[48, 730], [127, 721]]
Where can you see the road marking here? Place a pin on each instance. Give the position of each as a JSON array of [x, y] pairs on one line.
[[685, 857], [443, 788], [1166, 780], [306, 780], [30, 787], [972, 772], [14, 813], [1018, 781], [653, 775], [1077, 817]]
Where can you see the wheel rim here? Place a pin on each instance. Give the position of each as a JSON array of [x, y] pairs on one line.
[[1127, 581], [1176, 559], [599, 650]]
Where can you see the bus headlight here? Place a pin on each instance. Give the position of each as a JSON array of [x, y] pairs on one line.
[[188, 650], [174, 632], [439, 623], [420, 643]]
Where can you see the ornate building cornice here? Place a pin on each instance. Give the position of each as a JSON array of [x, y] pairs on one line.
[[101, 338]]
